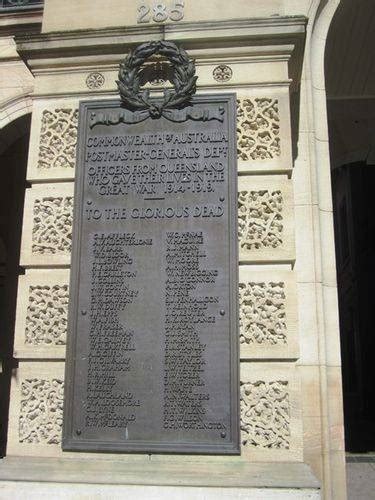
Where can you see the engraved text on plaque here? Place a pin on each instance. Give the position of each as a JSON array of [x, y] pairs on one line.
[[152, 356]]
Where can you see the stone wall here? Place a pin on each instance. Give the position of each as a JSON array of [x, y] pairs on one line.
[[283, 377], [270, 422]]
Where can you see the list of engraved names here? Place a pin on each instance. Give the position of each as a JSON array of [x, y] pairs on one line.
[[154, 307]]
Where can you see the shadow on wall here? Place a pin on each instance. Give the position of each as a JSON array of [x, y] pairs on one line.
[[14, 143]]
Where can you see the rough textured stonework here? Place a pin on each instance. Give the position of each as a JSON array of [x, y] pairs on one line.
[[265, 415], [222, 73], [58, 139], [47, 315], [41, 411], [262, 313], [258, 129], [260, 220], [52, 225]]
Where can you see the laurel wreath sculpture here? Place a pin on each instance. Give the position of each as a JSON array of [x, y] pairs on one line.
[[183, 80]]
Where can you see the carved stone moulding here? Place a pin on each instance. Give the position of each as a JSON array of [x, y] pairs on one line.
[[52, 221], [35, 415], [271, 425], [41, 405], [48, 217], [262, 399], [268, 314], [95, 80], [271, 428], [265, 219], [53, 140], [58, 138], [264, 131], [258, 129], [42, 309], [222, 73]]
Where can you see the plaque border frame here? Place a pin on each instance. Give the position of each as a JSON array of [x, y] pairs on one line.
[[71, 440]]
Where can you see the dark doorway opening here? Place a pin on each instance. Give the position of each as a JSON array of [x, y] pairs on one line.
[[14, 143], [353, 189], [350, 88]]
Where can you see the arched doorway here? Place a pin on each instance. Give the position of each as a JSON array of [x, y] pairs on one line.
[[350, 85], [14, 143]]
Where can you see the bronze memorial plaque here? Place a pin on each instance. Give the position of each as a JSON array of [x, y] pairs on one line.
[[152, 361]]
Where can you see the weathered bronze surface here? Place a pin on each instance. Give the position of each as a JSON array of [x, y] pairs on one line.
[[152, 361], [182, 75]]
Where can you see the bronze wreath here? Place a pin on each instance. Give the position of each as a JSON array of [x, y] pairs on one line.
[[184, 79]]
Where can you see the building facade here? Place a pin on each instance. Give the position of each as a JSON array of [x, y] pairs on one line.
[[272, 55]]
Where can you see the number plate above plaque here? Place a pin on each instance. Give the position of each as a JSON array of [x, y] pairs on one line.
[[152, 362]]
